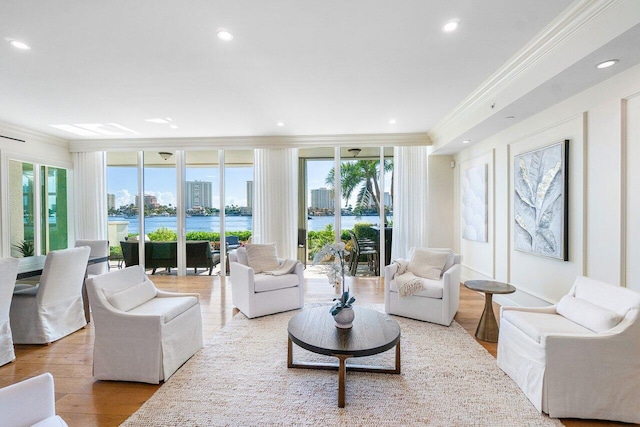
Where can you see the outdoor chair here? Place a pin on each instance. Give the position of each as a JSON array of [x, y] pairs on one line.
[[363, 248]]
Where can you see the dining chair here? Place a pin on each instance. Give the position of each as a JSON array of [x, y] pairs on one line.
[[8, 273], [54, 307], [31, 402], [99, 248]]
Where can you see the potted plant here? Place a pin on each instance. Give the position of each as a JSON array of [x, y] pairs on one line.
[[25, 247], [341, 310]]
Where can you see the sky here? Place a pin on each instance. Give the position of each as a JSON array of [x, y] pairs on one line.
[[161, 182]]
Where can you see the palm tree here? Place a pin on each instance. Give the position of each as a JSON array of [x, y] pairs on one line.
[[362, 176]]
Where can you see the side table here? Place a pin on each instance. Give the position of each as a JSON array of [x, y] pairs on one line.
[[488, 327]]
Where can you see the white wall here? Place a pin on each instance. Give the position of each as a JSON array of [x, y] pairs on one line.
[[37, 148], [440, 202], [601, 123]]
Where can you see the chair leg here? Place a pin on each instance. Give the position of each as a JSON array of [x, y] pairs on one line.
[[210, 270], [154, 271]]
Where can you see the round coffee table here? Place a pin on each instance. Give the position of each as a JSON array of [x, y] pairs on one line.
[[372, 333], [488, 327]]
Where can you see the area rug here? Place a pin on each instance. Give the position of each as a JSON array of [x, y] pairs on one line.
[[241, 378]]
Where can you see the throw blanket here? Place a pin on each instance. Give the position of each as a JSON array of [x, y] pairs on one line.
[[408, 283], [402, 265], [287, 267]]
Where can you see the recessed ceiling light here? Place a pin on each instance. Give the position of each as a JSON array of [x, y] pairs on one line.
[[224, 35], [466, 141], [607, 64], [19, 45], [451, 26], [162, 121], [392, 122], [280, 124]]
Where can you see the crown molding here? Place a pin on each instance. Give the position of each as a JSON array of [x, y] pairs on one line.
[[574, 19], [27, 135], [250, 142]]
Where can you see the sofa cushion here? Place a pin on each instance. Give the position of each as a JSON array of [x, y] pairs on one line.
[[266, 282], [131, 296], [605, 295], [432, 289], [451, 257], [427, 264], [589, 315], [169, 308], [535, 325], [262, 257]]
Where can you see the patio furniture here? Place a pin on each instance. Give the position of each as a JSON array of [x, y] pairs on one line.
[[141, 333], [8, 273], [258, 294], [30, 402], [437, 302], [361, 248], [579, 357], [53, 308], [165, 255]]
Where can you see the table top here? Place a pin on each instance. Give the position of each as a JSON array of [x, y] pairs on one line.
[[490, 286], [372, 332], [33, 265]]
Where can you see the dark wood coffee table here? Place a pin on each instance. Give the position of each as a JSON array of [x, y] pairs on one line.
[[372, 333], [488, 327]]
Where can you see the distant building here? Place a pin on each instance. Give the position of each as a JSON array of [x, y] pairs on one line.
[[111, 201], [250, 194], [136, 201], [387, 198], [321, 198], [198, 194], [151, 202]]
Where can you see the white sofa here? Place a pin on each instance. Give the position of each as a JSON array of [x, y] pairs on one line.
[[262, 294], [30, 403], [53, 308], [8, 273], [579, 358], [141, 333], [437, 303]]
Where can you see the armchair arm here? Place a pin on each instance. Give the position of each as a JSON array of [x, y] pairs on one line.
[[242, 284], [389, 273], [551, 309], [451, 291]]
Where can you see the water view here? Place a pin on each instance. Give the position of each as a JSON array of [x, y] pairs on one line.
[[233, 223]]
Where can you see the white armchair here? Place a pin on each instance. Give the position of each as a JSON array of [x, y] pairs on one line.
[[261, 294], [8, 273], [437, 302], [54, 308], [580, 357], [141, 333], [30, 402]]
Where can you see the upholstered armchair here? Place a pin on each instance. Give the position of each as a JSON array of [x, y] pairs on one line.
[[8, 273], [437, 302], [53, 308], [579, 358], [30, 402], [141, 333], [257, 294]]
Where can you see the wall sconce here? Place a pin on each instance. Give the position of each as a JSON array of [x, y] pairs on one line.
[[165, 155], [354, 151]]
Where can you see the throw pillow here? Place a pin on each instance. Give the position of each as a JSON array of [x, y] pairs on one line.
[[427, 264], [262, 257], [585, 314], [451, 259]]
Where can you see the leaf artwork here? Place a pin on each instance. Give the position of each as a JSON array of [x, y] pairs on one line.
[[539, 201]]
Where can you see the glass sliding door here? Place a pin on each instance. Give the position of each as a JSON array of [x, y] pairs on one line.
[[238, 193], [202, 210], [122, 205], [22, 208], [53, 192]]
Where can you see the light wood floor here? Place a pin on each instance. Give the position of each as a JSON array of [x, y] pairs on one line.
[[82, 401]]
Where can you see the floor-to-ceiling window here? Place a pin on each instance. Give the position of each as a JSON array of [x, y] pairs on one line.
[[54, 221], [22, 208], [238, 179]]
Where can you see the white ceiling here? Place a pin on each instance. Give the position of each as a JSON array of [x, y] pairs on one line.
[[321, 67]]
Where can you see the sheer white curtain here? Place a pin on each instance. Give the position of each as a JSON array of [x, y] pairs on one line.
[[410, 198], [275, 209], [90, 193]]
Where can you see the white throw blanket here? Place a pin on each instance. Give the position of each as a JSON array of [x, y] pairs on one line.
[[286, 267], [408, 283]]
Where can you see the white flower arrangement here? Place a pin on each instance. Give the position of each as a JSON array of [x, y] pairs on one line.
[[336, 273]]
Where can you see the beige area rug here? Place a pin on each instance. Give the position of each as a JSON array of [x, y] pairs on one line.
[[241, 378]]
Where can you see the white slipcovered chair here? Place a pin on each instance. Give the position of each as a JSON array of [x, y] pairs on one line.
[[579, 358], [259, 294], [54, 307], [30, 403], [141, 333], [436, 303], [99, 248], [8, 273]]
